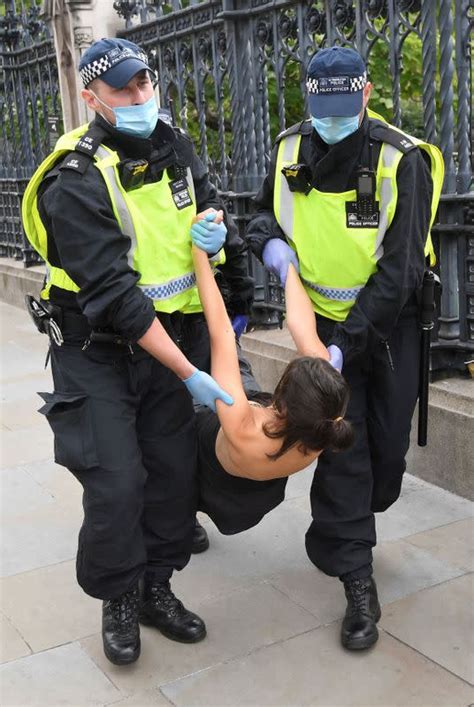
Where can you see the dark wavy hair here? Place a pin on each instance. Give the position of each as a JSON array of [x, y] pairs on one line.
[[310, 402]]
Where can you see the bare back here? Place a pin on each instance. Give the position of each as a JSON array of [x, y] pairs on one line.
[[246, 454], [242, 447]]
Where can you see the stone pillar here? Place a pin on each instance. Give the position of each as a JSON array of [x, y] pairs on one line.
[[76, 25]]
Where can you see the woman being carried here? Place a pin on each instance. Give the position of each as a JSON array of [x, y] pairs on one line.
[[247, 450]]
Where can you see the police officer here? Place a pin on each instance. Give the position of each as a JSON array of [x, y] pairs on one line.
[[350, 200], [110, 210]]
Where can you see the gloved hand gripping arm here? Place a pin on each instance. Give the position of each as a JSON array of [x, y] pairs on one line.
[[277, 256], [208, 233], [202, 387]]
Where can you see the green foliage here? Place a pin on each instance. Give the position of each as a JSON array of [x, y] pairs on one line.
[[410, 84]]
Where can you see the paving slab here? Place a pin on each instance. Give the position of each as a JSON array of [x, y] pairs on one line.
[[61, 676], [12, 645], [399, 569], [21, 354], [48, 607], [453, 543], [18, 414], [275, 545], [56, 480], [39, 538], [257, 591], [421, 509], [26, 444], [21, 493], [236, 624], [438, 622], [149, 698], [312, 669], [300, 484]]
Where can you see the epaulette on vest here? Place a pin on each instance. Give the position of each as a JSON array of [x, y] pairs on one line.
[[304, 127], [184, 148], [385, 133], [83, 154]]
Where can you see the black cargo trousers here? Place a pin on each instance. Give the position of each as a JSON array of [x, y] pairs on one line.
[[349, 487], [124, 426]]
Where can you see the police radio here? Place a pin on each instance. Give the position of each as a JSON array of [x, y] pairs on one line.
[[365, 188]]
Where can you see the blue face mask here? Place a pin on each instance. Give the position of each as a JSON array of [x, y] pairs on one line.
[[333, 130], [139, 120]]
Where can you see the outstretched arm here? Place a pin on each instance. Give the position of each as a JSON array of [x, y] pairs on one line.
[[301, 319], [224, 361]]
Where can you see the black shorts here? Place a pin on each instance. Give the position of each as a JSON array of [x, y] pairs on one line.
[[233, 503]]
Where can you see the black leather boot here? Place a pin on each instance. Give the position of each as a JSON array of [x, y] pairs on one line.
[[359, 628], [161, 609], [200, 539], [120, 629]]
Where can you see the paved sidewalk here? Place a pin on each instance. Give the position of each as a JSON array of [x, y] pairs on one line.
[[273, 619]]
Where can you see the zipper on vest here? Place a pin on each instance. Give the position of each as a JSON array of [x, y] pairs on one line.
[[389, 354]]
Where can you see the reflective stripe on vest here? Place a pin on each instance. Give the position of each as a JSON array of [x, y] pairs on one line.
[[390, 158], [171, 288], [337, 294]]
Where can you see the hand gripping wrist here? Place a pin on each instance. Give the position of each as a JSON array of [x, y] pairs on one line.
[[208, 236]]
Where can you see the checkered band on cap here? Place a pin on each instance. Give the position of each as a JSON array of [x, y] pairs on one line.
[[336, 84], [96, 68]]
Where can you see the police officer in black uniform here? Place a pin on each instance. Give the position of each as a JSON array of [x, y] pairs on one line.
[[377, 344], [123, 420]]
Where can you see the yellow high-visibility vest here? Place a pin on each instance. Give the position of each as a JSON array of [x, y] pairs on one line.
[[336, 260], [159, 232]]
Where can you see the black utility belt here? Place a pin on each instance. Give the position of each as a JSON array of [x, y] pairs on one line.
[[63, 326]]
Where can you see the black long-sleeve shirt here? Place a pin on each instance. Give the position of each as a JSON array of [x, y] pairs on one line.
[[390, 291], [85, 240]]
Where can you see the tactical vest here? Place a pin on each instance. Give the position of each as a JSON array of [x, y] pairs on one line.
[[159, 232], [337, 253]]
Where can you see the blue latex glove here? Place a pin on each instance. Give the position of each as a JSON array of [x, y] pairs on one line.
[[239, 324], [277, 256], [209, 236], [336, 359], [205, 390]]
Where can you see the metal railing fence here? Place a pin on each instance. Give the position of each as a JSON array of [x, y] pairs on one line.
[[232, 73], [30, 110]]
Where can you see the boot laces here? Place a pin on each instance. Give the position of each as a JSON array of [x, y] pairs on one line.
[[124, 609], [357, 590], [163, 596]]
